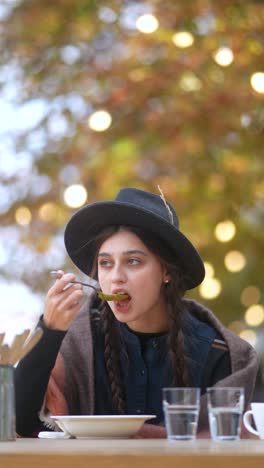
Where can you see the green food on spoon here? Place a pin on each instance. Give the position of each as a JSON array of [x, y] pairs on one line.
[[112, 297], [105, 297]]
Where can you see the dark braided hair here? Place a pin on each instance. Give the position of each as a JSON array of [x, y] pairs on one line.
[[112, 354], [173, 293]]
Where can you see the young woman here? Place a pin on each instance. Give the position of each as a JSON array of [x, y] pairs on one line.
[[114, 357]]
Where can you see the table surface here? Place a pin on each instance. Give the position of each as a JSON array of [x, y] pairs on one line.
[[131, 453]]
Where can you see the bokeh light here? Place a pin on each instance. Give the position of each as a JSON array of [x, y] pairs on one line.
[[250, 295], [48, 212], [225, 231], [75, 195], [234, 261], [257, 82], [254, 315], [189, 82], [100, 121], [223, 56], [210, 288], [23, 216], [147, 23], [183, 39], [209, 270]]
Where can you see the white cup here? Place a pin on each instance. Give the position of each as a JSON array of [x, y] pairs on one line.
[[257, 412]]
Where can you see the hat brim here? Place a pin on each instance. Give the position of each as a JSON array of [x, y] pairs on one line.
[[86, 224]]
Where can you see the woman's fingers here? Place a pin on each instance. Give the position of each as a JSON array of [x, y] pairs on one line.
[[61, 283], [68, 298], [64, 320], [62, 302]]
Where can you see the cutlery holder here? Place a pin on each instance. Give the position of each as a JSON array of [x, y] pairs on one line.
[[7, 403]]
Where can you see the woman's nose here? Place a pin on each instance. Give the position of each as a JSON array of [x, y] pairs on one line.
[[118, 274]]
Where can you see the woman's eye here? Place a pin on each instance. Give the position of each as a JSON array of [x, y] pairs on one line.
[[104, 263], [133, 261]]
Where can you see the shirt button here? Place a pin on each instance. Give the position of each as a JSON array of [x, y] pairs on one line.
[[142, 372]]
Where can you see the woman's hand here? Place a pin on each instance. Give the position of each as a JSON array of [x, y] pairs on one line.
[[62, 302]]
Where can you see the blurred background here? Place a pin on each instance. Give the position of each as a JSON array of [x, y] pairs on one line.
[[97, 95]]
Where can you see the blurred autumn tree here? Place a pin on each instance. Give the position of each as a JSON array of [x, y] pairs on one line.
[[182, 118]]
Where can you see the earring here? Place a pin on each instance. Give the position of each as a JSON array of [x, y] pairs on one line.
[[166, 281]]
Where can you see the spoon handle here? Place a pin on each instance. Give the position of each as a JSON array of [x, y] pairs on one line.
[[101, 295], [85, 284], [58, 275]]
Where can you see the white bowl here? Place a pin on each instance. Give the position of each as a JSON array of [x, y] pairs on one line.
[[101, 427]]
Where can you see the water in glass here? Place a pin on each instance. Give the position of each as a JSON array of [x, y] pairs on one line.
[[181, 421], [225, 423]]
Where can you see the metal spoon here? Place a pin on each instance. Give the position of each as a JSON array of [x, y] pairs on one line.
[[103, 296]]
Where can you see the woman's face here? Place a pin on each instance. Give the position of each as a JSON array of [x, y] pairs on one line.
[[126, 265]]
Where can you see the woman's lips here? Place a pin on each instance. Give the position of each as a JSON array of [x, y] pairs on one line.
[[122, 305]]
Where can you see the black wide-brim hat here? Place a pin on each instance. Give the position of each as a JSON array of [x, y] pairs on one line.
[[138, 208]]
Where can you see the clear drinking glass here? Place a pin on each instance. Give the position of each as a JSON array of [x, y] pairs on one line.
[[225, 408], [181, 410]]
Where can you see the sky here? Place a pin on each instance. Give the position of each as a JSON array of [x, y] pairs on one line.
[[20, 307]]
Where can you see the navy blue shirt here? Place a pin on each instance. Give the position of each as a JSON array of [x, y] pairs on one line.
[[146, 368]]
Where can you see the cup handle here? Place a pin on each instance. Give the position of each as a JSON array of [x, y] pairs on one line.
[[246, 421]]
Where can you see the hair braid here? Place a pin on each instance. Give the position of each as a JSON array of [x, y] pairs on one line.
[[176, 337], [112, 354]]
